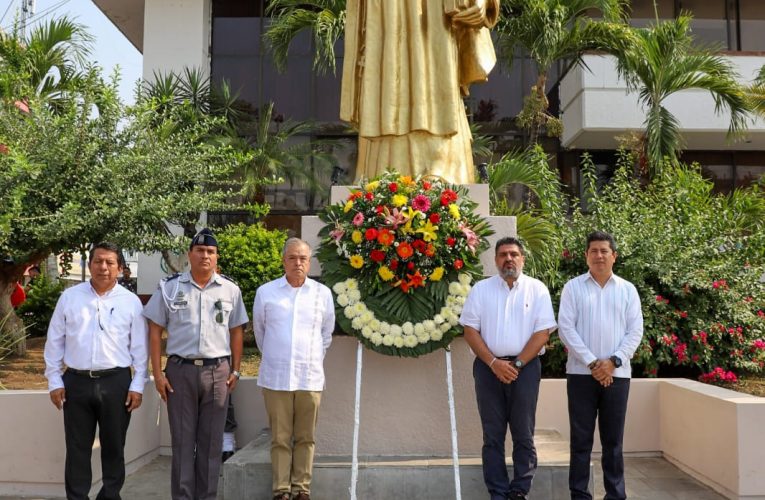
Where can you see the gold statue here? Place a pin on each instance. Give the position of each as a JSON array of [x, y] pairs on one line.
[[407, 65]]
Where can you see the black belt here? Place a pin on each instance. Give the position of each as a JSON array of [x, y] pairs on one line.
[[197, 361], [507, 358], [96, 373]]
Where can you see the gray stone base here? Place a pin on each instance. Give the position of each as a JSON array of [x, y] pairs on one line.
[[247, 475]]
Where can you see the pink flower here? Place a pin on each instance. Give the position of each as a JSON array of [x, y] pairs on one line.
[[22, 106], [358, 219], [336, 234], [472, 238], [758, 344], [421, 203]]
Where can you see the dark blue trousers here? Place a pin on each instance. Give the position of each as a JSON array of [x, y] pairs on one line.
[[500, 405], [587, 399]]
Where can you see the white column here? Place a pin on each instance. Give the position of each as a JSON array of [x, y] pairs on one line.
[[176, 35]]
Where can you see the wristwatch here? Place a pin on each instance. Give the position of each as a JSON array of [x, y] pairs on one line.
[[519, 363], [236, 374], [616, 360]]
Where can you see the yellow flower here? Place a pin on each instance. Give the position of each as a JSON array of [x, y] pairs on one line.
[[385, 273], [437, 274], [356, 261], [406, 180], [372, 186], [454, 210], [348, 206], [356, 237], [428, 231], [399, 200]]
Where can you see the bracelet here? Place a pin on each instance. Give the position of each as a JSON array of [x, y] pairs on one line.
[[492, 362]]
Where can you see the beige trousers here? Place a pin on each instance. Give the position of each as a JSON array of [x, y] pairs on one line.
[[292, 416]]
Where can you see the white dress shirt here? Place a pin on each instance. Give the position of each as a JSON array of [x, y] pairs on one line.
[[293, 329], [507, 318], [597, 323], [96, 332]]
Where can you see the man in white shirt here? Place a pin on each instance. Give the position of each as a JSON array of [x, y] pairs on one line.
[[601, 324], [293, 318], [97, 332], [507, 320]]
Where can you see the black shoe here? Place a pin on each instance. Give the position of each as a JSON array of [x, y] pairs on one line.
[[517, 495], [226, 455]]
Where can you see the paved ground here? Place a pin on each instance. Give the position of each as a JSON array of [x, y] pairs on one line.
[[647, 479]]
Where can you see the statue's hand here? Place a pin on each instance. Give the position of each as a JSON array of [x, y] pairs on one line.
[[473, 17]]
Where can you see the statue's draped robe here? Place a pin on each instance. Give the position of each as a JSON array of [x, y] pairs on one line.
[[404, 69]]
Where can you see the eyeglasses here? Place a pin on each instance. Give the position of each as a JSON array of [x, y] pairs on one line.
[[219, 308]]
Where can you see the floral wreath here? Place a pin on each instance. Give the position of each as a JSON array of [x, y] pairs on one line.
[[400, 254]]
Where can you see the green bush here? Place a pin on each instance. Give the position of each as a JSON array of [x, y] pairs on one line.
[[698, 262], [251, 256], [37, 310]]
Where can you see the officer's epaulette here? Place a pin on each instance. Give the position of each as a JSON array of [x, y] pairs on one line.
[[232, 280], [171, 277]]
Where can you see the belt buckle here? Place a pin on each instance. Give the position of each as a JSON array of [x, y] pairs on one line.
[[90, 374], [199, 362]]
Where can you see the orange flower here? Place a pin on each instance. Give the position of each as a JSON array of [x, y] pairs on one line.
[[404, 250], [385, 237], [416, 279], [430, 251]]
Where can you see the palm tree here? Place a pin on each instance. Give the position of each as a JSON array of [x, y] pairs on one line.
[[661, 60], [755, 93], [539, 218], [550, 31], [48, 62], [324, 19]]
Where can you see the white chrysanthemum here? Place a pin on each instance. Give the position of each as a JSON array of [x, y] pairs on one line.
[[459, 300], [410, 341], [360, 308], [438, 319], [387, 340], [454, 320], [429, 325], [464, 290], [464, 278], [374, 323], [354, 295], [366, 332], [424, 338], [352, 284], [454, 288], [436, 336], [396, 330], [445, 312], [350, 312], [376, 338], [419, 329], [408, 328], [342, 300], [340, 287], [450, 300], [384, 327], [368, 317], [445, 327], [357, 323], [398, 342]]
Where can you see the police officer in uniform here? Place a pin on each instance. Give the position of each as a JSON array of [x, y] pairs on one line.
[[204, 315]]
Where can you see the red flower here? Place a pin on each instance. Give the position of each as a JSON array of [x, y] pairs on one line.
[[393, 187], [566, 253], [371, 234], [379, 209], [450, 241], [385, 237], [393, 265], [377, 255], [434, 218], [404, 250], [431, 250], [683, 314], [447, 197], [419, 245], [369, 196], [761, 313], [404, 286], [426, 185], [458, 264], [354, 196], [410, 266], [659, 298], [416, 279]]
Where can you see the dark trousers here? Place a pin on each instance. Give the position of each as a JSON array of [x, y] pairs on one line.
[[500, 405], [91, 401], [196, 411], [587, 399]]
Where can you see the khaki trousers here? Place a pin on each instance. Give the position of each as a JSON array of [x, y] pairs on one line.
[[292, 416]]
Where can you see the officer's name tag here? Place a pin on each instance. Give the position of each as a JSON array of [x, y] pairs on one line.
[[180, 304]]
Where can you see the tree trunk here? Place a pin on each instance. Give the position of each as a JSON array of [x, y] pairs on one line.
[[12, 324]]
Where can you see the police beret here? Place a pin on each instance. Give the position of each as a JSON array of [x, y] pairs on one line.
[[204, 237]]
